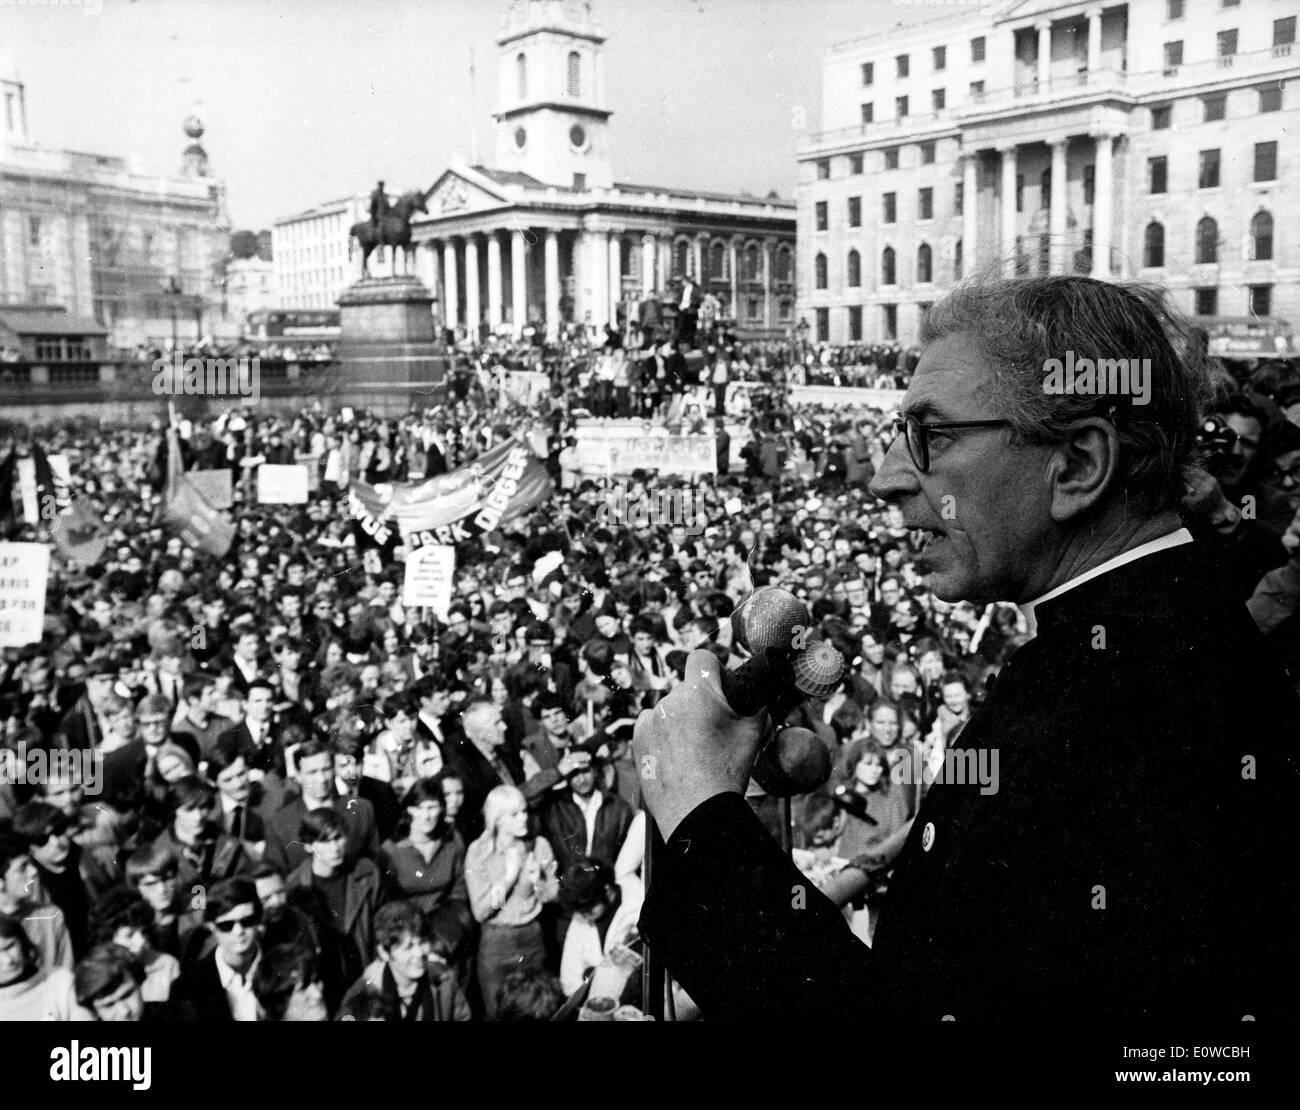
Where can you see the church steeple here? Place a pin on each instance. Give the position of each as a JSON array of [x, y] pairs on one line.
[[551, 120]]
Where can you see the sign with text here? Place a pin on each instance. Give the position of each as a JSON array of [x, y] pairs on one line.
[[430, 569], [625, 452], [24, 570], [282, 485]]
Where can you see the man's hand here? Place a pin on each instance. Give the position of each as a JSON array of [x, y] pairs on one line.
[[1205, 498], [691, 746]]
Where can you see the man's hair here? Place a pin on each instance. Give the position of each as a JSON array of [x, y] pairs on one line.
[[322, 823], [281, 971], [349, 744], [154, 858], [397, 920], [224, 754], [229, 894], [528, 995], [102, 971], [191, 792], [949, 677], [1023, 322], [266, 870], [195, 685], [154, 705], [547, 701], [35, 822], [311, 748], [12, 847], [119, 907]]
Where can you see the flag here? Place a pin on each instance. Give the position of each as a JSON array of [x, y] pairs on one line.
[[187, 512]]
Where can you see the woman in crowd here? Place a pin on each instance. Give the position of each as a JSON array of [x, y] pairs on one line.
[[28, 991], [509, 875], [122, 917]]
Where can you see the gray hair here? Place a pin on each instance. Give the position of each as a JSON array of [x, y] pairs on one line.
[[1024, 322]]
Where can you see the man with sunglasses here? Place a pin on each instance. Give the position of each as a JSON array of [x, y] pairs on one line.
[[1134, 843], [219, 987]]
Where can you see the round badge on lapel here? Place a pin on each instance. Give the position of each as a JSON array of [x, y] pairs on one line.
[[927, 836]]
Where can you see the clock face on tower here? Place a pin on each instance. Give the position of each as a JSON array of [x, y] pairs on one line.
[[577, 136], [521, 137]]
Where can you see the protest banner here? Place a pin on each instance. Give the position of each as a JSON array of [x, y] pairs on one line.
[[24, 571], [215, 485], [282, 485], [607, 452]]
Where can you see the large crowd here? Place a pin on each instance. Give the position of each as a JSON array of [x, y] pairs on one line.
[[303, 800]]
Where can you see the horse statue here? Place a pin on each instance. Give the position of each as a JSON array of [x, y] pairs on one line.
[[394, 231]]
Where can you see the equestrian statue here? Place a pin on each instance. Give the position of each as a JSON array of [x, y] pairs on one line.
[[389, 226]]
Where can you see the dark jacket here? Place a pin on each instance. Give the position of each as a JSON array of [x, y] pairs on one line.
[[225, 858], [284, 848], [566, 829], [1132, 854], [346, 945], [436, 887]]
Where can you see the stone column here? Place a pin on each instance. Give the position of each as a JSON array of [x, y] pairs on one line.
[[1008, 208], [1044, 29], [451, 310], [649, 264], [734, 249], [969, 210], [697, 256], [615, 286], [518, 283], [768, 258], [1094, 39], [1057, 251], [495, 307], [1103, 191], [552, 284], [473, 311]]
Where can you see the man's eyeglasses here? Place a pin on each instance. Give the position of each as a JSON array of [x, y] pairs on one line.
[[248, 921], [916, 434], [1290, 475]]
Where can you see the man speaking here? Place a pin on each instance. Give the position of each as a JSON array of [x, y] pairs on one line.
[[1132, 861]]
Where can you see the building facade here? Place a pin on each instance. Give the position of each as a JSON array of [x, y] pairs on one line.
[[139, 252], [546, 235], [1150, 140]]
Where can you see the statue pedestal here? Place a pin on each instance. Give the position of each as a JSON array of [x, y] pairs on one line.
[[386, 350]]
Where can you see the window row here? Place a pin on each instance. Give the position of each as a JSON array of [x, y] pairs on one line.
[[717, 261], [888, 322], [573, 75], [928, 154], [1259, 301], [1258, 247], [888, 267], [888, 208], [938, 61], [1225, 45]]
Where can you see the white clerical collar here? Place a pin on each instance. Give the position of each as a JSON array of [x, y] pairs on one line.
[[1173, 539]]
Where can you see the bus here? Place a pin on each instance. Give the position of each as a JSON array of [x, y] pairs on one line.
[[304, 324]]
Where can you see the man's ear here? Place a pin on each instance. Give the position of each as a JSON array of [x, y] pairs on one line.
[[1083, 468]]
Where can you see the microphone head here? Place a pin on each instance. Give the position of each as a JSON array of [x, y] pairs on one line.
[[794, 761], [818, 669], [769, 617]]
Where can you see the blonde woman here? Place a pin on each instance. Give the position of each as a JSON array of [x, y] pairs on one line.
[[509, 875]]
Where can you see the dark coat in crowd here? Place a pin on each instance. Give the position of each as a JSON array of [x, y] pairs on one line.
[[284, 848], [566, 828], [1133, 860]]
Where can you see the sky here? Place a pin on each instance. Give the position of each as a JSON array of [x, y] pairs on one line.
[[306, 101]]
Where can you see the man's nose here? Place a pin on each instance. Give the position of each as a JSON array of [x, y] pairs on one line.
[[896, 476]]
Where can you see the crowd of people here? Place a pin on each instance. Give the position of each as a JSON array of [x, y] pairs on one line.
[[301, 799]]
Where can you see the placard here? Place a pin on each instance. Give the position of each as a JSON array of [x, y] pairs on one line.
[[24, 571], [215, 485], [430, 569], [282, 485]]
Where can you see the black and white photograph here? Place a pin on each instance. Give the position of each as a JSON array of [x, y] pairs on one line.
[[778, 513]]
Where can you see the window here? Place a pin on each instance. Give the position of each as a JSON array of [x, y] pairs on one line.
[[1153, 248], [889, 315], [820, 213], [1206, 302], [868, 73], [1270, 98], [956, 262], [1283, 35], [784, 263], [854, 270], [868, 113], [749, 264], [855, 323], [819, 270], [1208, 177], [1261, 237], [1173, 9], [1215, 107], [927, 154], [924, 264], [891, 158], [1020, 192], [752, 308], [1160, 118], [1207, 240], [958, 198], [855, 211], [938, 100], [785, 311], [823, 169], [34, 231], [1260, 300], [925, 203], [888, 269], [1227, 45], [9, 110], [1089, 184], [900, 107], [1266, 161], [521, 76], [855, 163], [1173, 57], [976, 90], [681, 257], [718, 262], [902, 64], [579, 181], [575, 73], [977, 49], [823, 318], [940, 58], [1158, 175], [890, 203]]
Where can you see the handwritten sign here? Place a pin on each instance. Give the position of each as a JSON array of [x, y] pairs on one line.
[[282, 485], [24, 570], [430, 569]]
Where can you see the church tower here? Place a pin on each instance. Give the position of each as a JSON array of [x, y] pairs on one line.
[[551, 122], [13, 122]]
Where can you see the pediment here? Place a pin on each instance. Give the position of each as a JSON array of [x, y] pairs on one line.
[[461, 192]]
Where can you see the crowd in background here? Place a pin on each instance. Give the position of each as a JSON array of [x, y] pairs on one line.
[[318, 803]]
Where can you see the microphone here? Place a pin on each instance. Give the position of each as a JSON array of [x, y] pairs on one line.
[[783, 669]]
